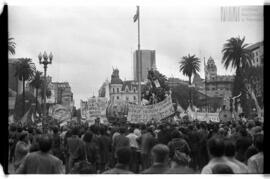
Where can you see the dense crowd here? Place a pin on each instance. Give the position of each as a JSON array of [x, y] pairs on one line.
[[184, 147]]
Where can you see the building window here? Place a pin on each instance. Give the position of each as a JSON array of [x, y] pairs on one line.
[[117, 97], [113, 90], [134, 89], [213, 89], [134, 97], [117, 90], [127, 98]]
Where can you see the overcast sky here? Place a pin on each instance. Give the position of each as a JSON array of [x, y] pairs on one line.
[[87, 41]]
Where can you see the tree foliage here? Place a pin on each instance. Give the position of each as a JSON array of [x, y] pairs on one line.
[[189, 66], [235, 54], [156, 88], [11, 46]]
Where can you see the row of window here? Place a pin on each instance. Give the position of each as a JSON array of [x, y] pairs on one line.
[[117, 89], [127, 98], [217, 89]]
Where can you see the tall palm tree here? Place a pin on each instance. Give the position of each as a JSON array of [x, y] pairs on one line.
[[11, 46], [189, 66], [25, 70], [236, 55], [37, 83]]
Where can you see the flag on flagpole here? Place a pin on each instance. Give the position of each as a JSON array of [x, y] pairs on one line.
[[136, 16]]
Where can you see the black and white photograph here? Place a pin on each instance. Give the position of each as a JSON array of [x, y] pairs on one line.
[[135, 88]]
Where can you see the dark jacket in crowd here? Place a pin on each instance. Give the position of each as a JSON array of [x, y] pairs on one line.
[[164, 137], [41, 163], [156, 169]]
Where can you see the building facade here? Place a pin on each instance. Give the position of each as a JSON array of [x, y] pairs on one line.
[[257, 53], [118, 90], [174, 82], [148, 61], [62, 93], [216, 86]]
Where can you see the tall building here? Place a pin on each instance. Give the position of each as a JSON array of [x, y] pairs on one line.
[[63, 94], [257, 53], [216, 86], [148, 61]]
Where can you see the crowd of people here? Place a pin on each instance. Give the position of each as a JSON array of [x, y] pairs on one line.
[[156, 148]]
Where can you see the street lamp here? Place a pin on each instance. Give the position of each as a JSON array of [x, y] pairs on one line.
[[45, 62]]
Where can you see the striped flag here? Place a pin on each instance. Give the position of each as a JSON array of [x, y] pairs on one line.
[[136, 16]]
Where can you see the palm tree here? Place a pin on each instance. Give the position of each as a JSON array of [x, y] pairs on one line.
[[25, 70], [37, 83], [11, 46], [236, 55], [189, 66]]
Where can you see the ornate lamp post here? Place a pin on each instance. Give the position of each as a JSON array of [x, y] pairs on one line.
[[45, 62]]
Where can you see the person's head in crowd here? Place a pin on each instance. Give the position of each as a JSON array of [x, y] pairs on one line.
[[250, 124], [258, 142], [19, 129], [13, 128], [215, 146], [123, 155], [221, 132], [88, 137], [252, 150], [30, 130], [150, 129], [222, 169], [243, 132], [75, 131], [160, 153], [175, 134], [131, 129], [24, 136], [55, 130], [102, 130], [45, 143], [230, 148], [137, 132], [95, 129], [122, 130], [180, 158]]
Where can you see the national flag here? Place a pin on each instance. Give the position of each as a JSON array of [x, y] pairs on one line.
[[136, 16]]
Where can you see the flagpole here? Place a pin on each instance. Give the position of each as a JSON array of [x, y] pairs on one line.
[[205, 86], [139, 57]]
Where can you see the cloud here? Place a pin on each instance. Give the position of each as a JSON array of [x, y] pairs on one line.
[[87, 41]]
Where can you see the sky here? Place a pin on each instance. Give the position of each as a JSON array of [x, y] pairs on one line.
[[88, 41]]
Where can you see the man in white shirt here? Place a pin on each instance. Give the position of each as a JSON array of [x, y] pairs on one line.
[[216, 148], [256, 162], [134, 162], [230, 150]]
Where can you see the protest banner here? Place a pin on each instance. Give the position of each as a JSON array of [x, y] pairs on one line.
[[214, 117], [143, 114], [83, 109], [60, 113], [96, 107]]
